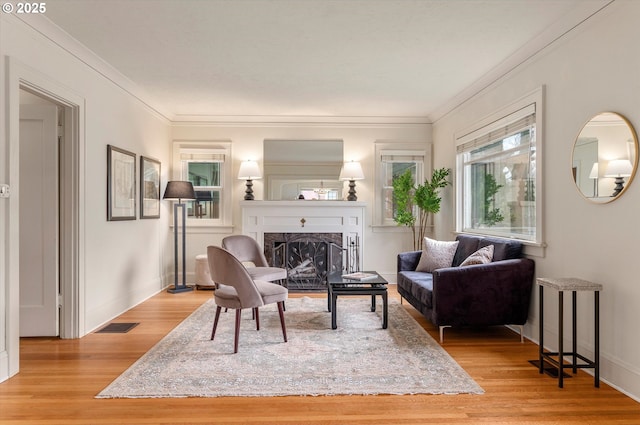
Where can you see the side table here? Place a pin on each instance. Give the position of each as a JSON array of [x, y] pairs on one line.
[[573, 285]]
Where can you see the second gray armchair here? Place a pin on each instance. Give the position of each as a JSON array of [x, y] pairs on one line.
[[247, 250]]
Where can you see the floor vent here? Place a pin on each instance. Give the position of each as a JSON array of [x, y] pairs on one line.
[[117, 328]]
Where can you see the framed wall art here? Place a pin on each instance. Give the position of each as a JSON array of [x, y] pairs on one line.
[[121, 184], [149, 187]]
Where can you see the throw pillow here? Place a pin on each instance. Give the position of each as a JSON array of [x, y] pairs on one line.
[[481, 256], [436, 255]]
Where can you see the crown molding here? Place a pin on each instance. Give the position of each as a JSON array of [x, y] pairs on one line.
[[56, 35], [294, 120], [583, 11]]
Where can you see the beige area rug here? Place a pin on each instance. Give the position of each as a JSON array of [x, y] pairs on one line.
[[357, 358]]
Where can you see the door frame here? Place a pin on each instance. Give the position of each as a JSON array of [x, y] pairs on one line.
[[72, 219]]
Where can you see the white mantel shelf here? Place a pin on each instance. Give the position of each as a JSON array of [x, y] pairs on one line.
[[346, 217], [303, 204]]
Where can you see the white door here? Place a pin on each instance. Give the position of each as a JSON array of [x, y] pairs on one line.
[[39, 315]]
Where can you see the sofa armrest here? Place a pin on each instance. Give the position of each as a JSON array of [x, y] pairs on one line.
[[497, 293], [408, 261]]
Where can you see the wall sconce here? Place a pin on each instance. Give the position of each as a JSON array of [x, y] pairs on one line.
[[179, 190], [352, 171], [249, 171], [618, 168]]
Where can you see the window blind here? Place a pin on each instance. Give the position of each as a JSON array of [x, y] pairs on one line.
[[497, 130]]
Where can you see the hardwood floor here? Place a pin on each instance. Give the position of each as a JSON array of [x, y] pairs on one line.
[[59, 379]]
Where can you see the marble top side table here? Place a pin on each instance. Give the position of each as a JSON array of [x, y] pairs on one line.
[[557, 358]]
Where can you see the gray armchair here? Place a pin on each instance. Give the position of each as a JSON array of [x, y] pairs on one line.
[[238, 290]]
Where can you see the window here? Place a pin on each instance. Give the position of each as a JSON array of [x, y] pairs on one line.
[[498, 186], [205, 165], [391, 161]]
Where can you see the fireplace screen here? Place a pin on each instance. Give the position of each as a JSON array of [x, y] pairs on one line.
[[308, 257]]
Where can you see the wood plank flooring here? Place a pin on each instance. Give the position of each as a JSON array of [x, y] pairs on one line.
[[59, 379]]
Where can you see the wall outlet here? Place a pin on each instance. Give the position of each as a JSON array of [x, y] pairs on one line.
[[4, 191]]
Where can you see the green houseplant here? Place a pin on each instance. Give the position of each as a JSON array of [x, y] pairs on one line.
[[415, 203]]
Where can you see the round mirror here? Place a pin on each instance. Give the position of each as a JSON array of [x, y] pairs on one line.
[[605, 157]]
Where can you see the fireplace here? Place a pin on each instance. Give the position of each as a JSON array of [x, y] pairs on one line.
[[308, 257], [309, 238]]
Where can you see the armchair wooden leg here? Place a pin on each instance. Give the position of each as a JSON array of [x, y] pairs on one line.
[[215, 322], [281, 313], [237, 336]]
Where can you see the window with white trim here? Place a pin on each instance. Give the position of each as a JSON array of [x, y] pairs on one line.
[[207, 166], [393, 160], [498, 185]]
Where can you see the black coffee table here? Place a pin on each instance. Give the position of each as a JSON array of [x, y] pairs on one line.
[[339, 285]]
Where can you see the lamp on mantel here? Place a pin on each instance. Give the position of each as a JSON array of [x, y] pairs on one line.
[[618, 168], [352, 171], [249, 171], [179, 190]]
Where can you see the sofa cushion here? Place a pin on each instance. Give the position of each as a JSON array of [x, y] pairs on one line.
[[503, 249], [436, 255], [419, 285], [467, 245], [482, 256]]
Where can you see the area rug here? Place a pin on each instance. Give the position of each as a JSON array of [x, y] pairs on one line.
[[357, 358]]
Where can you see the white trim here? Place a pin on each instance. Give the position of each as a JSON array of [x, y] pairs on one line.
[[72, 320], [384, 148], [215, 147], [535, 100], [305, 120]]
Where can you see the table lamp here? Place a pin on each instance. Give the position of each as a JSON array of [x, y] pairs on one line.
[[352, 171], [249, 171]]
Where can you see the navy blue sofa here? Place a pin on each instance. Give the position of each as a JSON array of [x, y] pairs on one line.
[[497, 293]]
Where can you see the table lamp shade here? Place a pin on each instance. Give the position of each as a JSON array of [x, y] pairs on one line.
[[249, 170], [351, 171], [619, 168]]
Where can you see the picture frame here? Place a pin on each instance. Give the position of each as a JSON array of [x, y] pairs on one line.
[[149, 187], [121, 184]]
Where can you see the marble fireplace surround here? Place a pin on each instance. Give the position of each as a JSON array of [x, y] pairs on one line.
[[338, 223]]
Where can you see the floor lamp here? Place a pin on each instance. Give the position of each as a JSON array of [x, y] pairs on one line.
[[179, 190]]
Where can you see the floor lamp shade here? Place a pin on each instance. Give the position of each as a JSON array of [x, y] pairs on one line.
[[179, 190]]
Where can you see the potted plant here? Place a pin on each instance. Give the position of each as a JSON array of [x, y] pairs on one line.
[[415, 203]]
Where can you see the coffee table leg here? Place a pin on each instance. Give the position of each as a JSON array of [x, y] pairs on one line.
[[373, 303], [385, 310], [334, 299]]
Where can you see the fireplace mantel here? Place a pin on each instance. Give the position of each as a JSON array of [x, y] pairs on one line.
[[345, 217]]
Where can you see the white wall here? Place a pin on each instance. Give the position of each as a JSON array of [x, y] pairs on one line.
[[381, 245], [594, 68], [123, 261]]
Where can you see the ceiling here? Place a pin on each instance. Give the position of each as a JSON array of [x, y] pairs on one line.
[[314, 58]]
